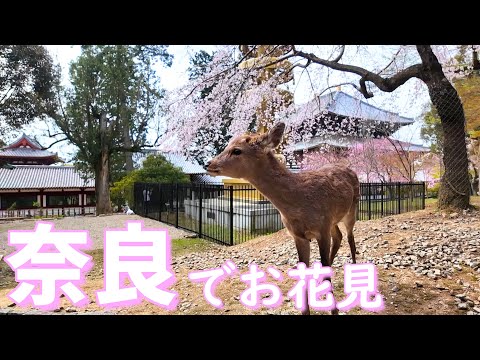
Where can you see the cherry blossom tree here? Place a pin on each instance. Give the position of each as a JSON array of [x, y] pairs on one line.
[[377, 160], [369, 72]]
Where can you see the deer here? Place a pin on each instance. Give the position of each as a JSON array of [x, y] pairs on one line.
[[311, 203]]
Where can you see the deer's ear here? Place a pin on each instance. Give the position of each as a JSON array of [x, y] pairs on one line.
[[273, 138]]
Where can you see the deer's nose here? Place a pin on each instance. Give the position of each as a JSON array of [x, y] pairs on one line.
[[207, 165]]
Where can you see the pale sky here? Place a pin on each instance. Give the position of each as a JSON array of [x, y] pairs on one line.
[[176, 76]]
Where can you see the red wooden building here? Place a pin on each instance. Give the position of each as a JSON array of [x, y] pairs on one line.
[[29, 183]]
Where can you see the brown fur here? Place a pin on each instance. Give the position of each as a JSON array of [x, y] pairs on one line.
[[311, 203]]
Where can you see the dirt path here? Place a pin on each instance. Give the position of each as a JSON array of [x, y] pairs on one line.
[[94, 224], [428, 263]]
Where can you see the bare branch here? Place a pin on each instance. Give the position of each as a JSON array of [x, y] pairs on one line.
[[364, 90], [391, 62], [388, 84], [214, 77], [399, 153], [61, 121], [275, 62], [342, 51], [341, 84], [55, 142]]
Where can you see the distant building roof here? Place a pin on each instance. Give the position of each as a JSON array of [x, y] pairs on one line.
[[338, 103], [333, 140], [343, 104], [205, 178], [411, 147], [25, 140], [42, 177], [188, 166], [26, 150]]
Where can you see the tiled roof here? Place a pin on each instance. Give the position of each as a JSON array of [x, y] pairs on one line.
[[25, 152], [343, 104], [28, 138], [346, 142], [204, 178], [318, 140], [187, 166], [42, 177], [411, 147]]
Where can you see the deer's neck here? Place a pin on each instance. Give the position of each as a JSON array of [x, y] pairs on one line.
[[276, 183]]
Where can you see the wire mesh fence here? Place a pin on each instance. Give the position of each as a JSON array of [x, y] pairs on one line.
[[456, 182], [234, 214]]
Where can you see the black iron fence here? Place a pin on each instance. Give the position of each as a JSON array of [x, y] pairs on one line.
[[234, 214], [383, 199], [38, 213]]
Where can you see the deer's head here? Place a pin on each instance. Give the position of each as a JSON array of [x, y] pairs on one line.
[[246, 154]]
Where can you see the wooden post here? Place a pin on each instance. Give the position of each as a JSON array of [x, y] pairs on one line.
[[200, 196]]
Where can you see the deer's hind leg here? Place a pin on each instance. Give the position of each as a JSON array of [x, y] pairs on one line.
[[349, 222], [336, 241], [324, 242]]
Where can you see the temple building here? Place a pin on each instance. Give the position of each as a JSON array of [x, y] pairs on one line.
[[32, 183], [340, 120]]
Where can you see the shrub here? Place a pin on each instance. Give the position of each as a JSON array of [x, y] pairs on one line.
[[155, 169], [432, 192]]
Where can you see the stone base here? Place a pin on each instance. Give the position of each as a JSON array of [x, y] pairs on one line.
[[250, 215]]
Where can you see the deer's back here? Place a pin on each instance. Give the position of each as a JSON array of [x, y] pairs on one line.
[[327, 195]]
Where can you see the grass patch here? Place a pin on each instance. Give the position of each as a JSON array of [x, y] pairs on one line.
[[430, 201], [184, 246], [475, 201], [217, 231]]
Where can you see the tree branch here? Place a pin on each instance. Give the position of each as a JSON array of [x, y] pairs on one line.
[[55, 142], [342, 51], [62, 122], [341, 84], [388, 84], [399, 153], [275, 62]]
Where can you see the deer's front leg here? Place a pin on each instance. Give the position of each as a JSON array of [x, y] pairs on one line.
[[303, 249]]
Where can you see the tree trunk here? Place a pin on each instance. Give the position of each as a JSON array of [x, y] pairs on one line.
[[128, 144], [454, 186], [102, 188], [102, 171]]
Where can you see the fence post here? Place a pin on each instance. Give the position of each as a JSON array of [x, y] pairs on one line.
[[200, 211], [382, 199], [369, 201], [145, 203], [161, 202], [423, 192], [231, 214], [399, 198], [176, 206], [411, 198]]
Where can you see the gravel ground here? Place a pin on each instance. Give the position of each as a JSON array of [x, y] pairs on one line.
[[428, 262], [94, 224]]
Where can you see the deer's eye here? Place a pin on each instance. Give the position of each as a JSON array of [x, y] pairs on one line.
[[236, 151]]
